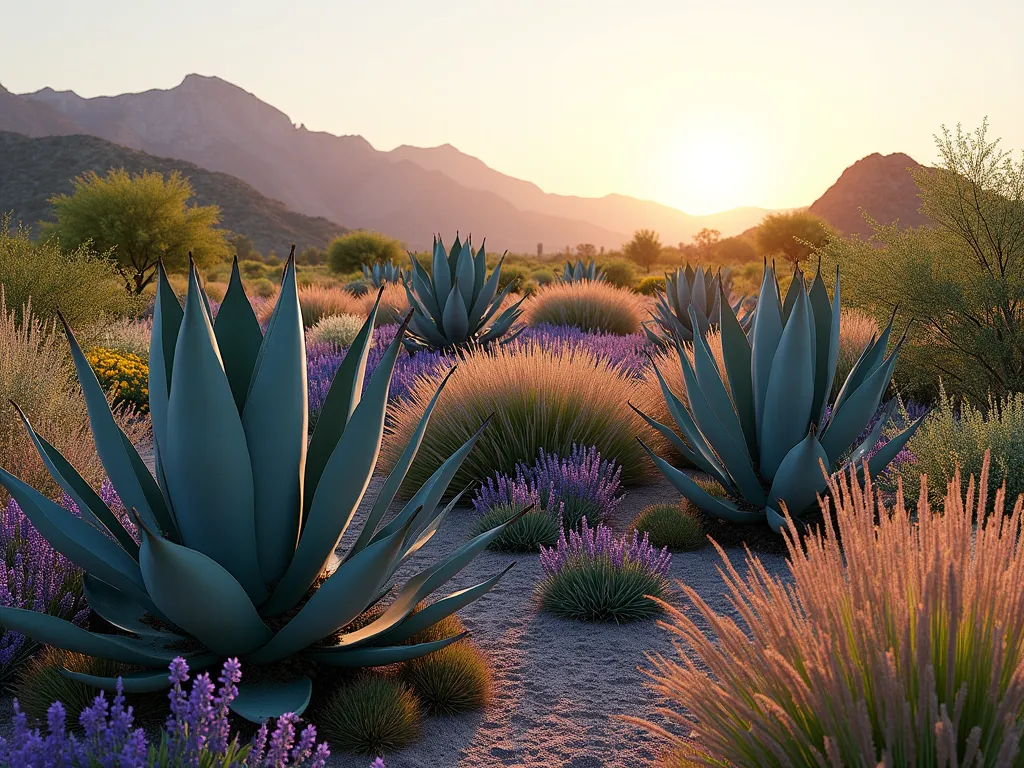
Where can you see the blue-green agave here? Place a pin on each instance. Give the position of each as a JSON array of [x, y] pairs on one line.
[[763, 427], [575, 273], [383, 272], [700, 290], [453, 304], [238, 532]]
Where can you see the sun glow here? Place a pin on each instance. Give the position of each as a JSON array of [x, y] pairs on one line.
[[710, 171]]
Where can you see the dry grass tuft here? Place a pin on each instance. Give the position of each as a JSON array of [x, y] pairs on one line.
[[588, 305], [856, 328], [902, 646]]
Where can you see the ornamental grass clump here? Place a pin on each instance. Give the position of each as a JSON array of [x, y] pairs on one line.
[[676, 526], [593, 576], [588, 305], [371, 716], [631, 353], [197, 732], [539, 397], [452, 681], [897, 641], [337, 330]]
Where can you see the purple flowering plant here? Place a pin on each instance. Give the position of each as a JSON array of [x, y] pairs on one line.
[[600, 543], [197, 733]]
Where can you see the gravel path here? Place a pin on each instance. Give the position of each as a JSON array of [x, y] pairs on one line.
[[559, 684]]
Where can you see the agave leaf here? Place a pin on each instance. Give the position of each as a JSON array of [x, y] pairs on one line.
[[767, 334], [736, 356], [709, 381], [431, 492], [796, 286], [871, 440], [721, 508], [827, 330], [51, 630], [89, 503], [342, 485], [790, 393], [425, 329], [238, 337], [799, 478], [167, 315], [258, 702], [420, 292], [479, 272], [370, 656], [337, 602], [154, 495], [455, 322], [115, 607], [853, 415], [465, 277], [868, 362], [728, 443], [206, 458], [433, 613], [200, 596], [686, 451], [441, 273], [421, 534], [276, 426], [81, 543], [888, 452], [486, 296], [342, 398], [131, 682], [698, 296]]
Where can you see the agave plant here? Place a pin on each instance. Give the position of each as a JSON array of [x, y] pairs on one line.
[[574, 273], [383, 272], [687, 289], [453, 305], [238, 532], [763, 427]]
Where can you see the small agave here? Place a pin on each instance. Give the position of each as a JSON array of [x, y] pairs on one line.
[[240, 526], [383, 272], [763, 427], [575, 273], [700, 290], [453, 304]]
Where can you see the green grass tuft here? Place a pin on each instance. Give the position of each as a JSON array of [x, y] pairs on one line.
[[527, 534], [674, 526], [450, 681], [371, 716], [595, 590]]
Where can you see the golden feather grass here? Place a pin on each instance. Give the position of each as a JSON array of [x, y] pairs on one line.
[[588, 305]]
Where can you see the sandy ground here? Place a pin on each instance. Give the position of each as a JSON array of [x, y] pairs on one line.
[[559, 685]]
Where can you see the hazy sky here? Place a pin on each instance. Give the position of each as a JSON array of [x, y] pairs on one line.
[[702, 105]]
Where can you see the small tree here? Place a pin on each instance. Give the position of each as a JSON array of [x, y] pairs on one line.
[[244, 248], [793, 235], [311, 256], [350, 251], [733, 250], [586, 251], [644, 248], [140, 219], [704, 241]]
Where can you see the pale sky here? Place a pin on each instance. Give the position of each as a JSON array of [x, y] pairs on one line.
[[701, 105]]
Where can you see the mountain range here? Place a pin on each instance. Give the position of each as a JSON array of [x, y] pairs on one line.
[[408, 192]]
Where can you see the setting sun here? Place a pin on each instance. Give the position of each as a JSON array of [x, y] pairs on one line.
[[710, 171]]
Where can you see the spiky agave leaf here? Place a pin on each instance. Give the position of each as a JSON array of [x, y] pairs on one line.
[[760, 426], [685, 289], [452, 306], [242, 522]]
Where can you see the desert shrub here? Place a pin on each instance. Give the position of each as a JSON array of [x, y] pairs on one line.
[[123, 376], [540, 398], [592, 576], [129, 337], [651, 285], [373, 715], [958, 435], [319, 301], [40, 683], [513, 273], [350, 251], [261, 287], [455, 679], [33, 577], [358, 287], [543, 276], [675, 526], [588, 305], [86, 286], [36, 373], [536, 528], [620, 272], [339, 330], [897, 645]]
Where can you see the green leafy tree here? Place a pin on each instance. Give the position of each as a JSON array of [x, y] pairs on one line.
[[644, 248], [243, 246], [705, 241], [311, 256], [140, 219], [961, 281], [793, 235], [586, 250], [733, 250], [350, 251]]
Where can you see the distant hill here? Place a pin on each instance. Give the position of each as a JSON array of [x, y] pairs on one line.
[[408, 193], [30, 118], [35, 169], [879, 185]]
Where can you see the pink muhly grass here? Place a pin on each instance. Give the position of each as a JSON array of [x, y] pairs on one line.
[[898, 642]]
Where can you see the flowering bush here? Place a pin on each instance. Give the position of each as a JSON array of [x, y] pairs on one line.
[[124, 376], [337, 330], [197, 733], [580, 485], [898, 640], [593, 576]]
